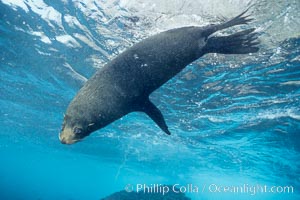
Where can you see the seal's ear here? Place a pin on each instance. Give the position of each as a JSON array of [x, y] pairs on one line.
[[90, 126]]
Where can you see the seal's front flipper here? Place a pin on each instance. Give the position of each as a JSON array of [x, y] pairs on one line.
[[154, 113]]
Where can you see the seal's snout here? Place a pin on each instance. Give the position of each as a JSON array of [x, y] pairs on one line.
[[67, 137], [66, 140], [62, 139]]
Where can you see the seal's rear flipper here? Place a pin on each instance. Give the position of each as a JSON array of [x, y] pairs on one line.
[[238, 20], [242, 42], [154, 113]]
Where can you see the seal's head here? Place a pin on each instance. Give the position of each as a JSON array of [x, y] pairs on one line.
[[74, 130]]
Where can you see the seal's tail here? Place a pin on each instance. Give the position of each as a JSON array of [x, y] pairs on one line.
[[242, 42]]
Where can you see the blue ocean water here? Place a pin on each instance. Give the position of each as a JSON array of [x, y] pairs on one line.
[[235, 120]]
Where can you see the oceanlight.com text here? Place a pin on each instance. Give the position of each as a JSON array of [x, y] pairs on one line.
[[250, 189]]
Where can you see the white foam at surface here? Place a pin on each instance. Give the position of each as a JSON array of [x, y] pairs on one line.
[[89, 42], [295, 83], [279, 19], [97, 61], [67, 70], [43, 37], [73, 22], [47, 13], [271, 114], [68, 41], [15, 4], [43, 53], [170, 13], [278, 113], [87, 38]]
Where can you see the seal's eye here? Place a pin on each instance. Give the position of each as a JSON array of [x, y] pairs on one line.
[[77, 130]]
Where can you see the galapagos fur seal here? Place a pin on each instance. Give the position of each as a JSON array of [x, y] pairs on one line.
[[124, 84]]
